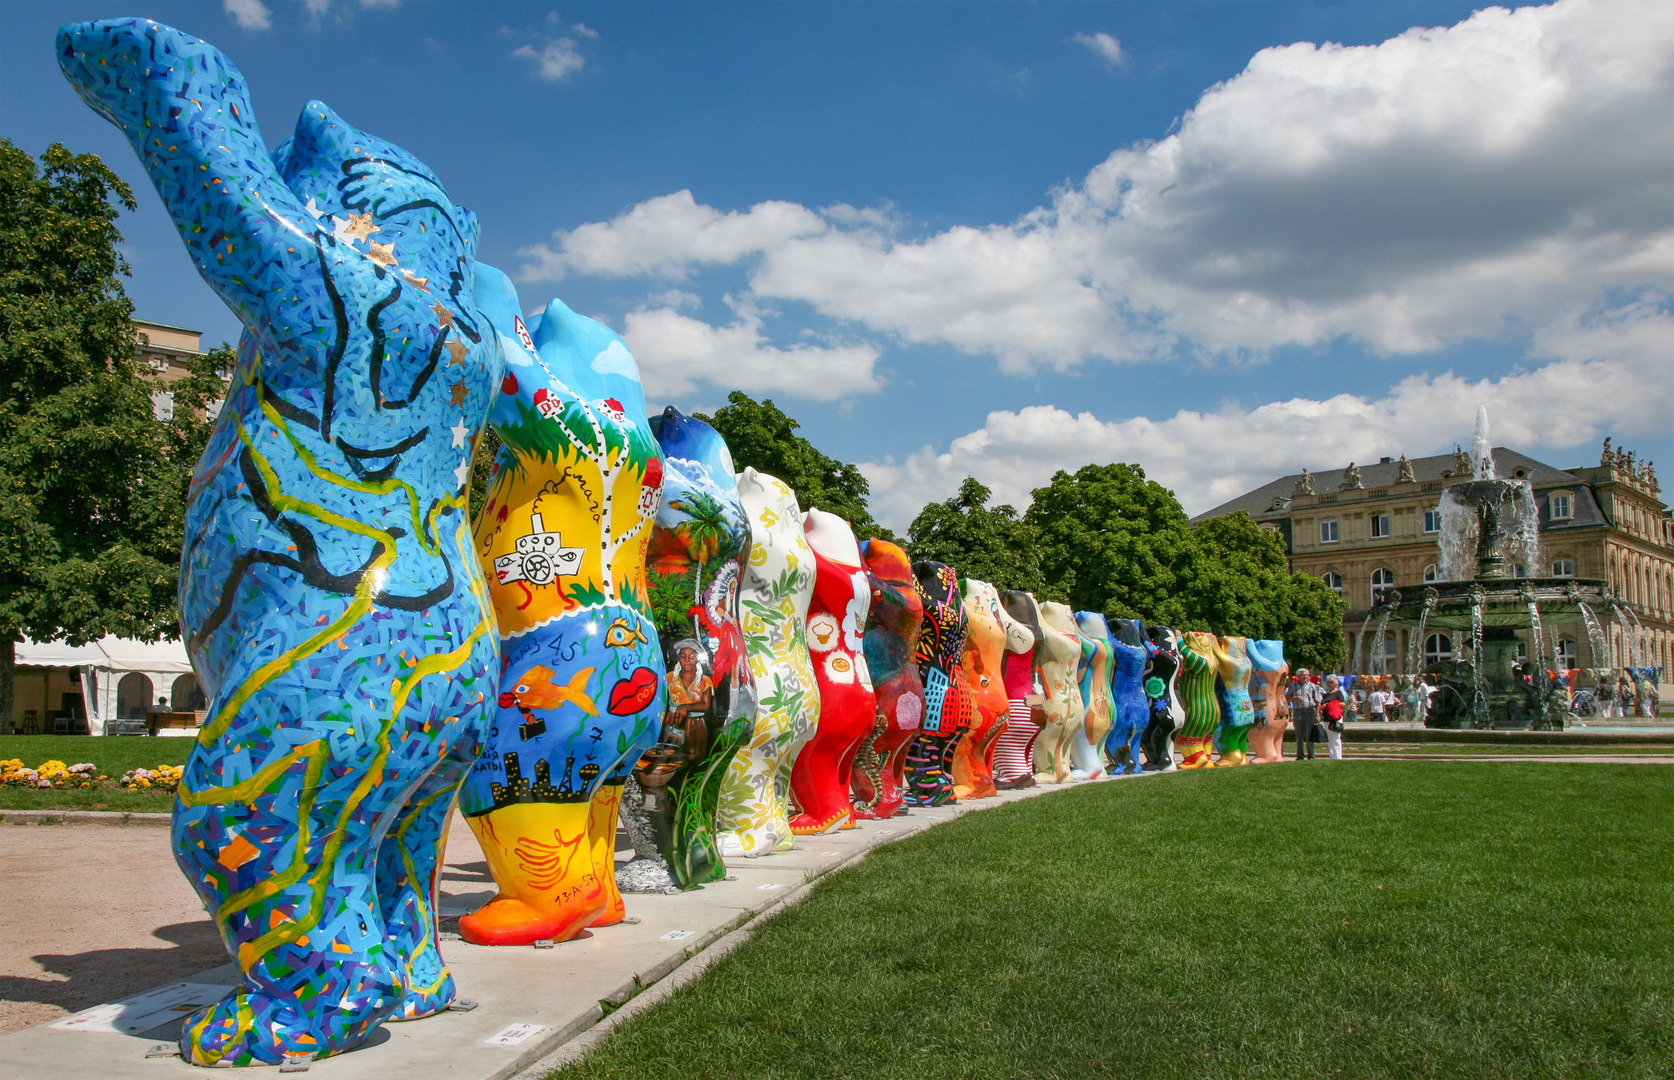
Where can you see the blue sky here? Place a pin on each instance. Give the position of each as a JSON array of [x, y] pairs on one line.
[[1003, 239]]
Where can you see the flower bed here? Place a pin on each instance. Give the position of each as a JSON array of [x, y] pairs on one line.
[[162, 778], [54, 775]]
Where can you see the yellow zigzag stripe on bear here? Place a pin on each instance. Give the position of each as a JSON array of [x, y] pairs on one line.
[[420, 894], [360, 606], [250, 789]]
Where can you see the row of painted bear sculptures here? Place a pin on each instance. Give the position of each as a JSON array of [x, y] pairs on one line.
[[628, 614]]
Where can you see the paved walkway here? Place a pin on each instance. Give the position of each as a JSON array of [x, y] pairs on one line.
[[137, 926]]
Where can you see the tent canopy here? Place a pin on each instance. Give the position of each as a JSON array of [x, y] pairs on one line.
[[103, 663], [109, 653], [58, 654]]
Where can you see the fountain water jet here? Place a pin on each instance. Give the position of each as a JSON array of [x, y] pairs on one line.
[[1490, 521], [1360, 642], [1415, 640], [1595, 636], [1380, 662]]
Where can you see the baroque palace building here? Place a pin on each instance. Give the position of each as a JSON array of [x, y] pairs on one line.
[[1365, 529], [164, 354]]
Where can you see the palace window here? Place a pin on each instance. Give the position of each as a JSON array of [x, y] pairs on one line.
[[1382, 581], [1380, 526], [1328, 532], [1432, 572], [1334, 582], [1566, 653], [1560, 507], [1437, 647], [1563, 568], [1432, 521]]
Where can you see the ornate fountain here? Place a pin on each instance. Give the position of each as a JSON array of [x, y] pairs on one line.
[[1490, 527]]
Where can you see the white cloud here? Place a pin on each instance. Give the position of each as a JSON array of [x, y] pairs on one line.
[[249, 14], [316, 9], [677, 352], [667, 237], [1442, 185], [1608, 373], [992, 290], [679, 299], [556, 60], [1103, 46], [1427, 189], [584, 30]]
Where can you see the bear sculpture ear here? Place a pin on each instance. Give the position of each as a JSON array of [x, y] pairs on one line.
[[186, 110]]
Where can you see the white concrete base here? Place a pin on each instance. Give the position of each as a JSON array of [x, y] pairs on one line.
[[557, 991]]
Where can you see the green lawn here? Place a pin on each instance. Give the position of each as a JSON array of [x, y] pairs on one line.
[[127, 802], [114, 756], [1631, 750], [1356, 919]]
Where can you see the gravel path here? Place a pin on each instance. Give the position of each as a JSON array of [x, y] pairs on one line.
[[94, 913]]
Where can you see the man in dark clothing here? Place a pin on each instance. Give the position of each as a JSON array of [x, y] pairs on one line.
[[1304, 710]]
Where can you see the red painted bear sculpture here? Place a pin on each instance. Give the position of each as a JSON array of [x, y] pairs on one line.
[[848, 708]]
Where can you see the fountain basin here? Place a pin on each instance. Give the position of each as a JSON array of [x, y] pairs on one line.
[[1505, 601]]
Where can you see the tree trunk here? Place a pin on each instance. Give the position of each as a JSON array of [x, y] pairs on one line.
[[8, 661]]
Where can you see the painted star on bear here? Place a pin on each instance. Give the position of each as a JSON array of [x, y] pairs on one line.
[[382, 254]]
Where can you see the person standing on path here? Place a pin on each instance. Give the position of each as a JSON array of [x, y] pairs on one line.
[[1304, 710], [1331, 705], [1378, 702]]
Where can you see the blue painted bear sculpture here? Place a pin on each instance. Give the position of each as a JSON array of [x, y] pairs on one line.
[[331, 602], [1127, 692]]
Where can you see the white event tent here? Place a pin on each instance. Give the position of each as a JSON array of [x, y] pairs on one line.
[[102, 664]]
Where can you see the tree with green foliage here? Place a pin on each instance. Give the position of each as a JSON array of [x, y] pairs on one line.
[[1312, 625], [993, 545], [1245, 587], [1114, 542], [92, 484], [762, 437], [482, 469]]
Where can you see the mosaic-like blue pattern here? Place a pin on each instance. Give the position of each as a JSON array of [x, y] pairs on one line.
[[1127, 696], [332, 605]]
